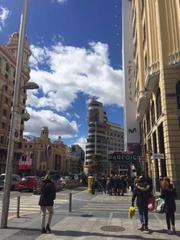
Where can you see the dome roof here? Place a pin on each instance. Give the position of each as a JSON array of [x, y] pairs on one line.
[[44, 129]]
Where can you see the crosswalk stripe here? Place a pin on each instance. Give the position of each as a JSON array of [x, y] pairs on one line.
[[29, 204], [105, 206]]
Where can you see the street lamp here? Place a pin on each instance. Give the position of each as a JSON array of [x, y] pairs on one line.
[[14, 117], [31, 86]]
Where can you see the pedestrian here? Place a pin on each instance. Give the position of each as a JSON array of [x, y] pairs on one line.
[[141, 194], [168, 193], [46, 202]]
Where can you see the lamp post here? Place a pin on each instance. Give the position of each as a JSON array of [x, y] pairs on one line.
[[13, 131]]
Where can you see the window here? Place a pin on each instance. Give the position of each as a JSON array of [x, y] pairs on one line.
[[145, 61], [152, 114], [144, 34], [6, 100], [2, 139], [148, 122], [158, 103], [178, 94], [4, 112], [7, 67], [142, 6]]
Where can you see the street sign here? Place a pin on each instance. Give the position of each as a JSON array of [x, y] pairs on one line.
[[123, 157], [157, 156]]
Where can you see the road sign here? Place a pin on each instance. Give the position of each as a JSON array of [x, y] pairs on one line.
[[157, 156]]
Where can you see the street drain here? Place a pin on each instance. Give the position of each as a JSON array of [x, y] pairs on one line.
[[112, 229]]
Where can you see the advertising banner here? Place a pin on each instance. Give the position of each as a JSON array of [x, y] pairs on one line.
[[131, 134], [25, 162]]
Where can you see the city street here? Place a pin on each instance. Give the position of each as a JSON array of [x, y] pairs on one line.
[[97, 216]]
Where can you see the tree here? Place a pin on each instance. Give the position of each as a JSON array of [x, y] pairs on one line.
[[97, 163]]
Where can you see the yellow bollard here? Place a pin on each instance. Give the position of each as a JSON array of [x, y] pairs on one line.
[[90, 180]]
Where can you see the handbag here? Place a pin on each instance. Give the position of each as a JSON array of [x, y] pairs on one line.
[[131, 211], [151, 203], [160, 205]]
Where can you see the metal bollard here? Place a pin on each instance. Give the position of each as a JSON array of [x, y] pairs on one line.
[[18, 207], [70, 201]]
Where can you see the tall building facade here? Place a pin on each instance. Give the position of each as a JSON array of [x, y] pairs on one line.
[[156, 38], [8, 54], [103, 138]]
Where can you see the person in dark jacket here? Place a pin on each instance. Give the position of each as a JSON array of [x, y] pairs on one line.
[[141, 194], [46, 202], [168, 193]]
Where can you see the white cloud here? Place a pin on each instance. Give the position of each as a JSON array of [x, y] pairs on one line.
[[64, 71], [58, 125], [77, 115], [81, 142], [4, 13]]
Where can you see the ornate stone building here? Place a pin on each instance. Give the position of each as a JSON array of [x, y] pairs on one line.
[[156, 38], [8, 54], [42, 155], [45, 155]]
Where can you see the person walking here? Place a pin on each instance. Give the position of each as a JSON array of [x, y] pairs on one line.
[[141, 194], [46, 202], [168, 193]]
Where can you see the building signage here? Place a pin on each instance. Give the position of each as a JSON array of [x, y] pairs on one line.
[[25, 162], [157, 156], [123, 158], [131, 135]]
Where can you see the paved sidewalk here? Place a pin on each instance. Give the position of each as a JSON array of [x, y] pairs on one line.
[[93, 217]]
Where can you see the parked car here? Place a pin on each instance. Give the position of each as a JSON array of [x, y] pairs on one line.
[[28, 183], [15, 179]]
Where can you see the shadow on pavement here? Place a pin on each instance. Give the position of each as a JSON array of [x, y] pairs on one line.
[[165, 231], [81, 234]]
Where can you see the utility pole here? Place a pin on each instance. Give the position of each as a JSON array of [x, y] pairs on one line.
[[13, 132]]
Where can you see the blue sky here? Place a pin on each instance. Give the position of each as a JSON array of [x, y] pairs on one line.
[[76, 53]]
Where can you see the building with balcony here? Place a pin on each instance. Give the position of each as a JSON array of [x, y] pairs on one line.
[[103, 138], [156, 39], [8, 54]]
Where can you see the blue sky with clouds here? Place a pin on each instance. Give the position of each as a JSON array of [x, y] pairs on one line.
[[76, 53]]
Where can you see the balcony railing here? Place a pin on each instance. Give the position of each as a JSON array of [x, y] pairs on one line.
[[142, 103], [152, 76], [174, 59], [26, 116]]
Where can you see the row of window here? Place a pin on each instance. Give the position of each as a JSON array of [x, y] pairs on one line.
[[153, 115]]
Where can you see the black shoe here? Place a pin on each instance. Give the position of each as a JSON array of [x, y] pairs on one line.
[[146, 230], [43, 230], [48, 228], [141, 228]]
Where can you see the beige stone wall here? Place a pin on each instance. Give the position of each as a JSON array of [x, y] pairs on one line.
[[157, 28]]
